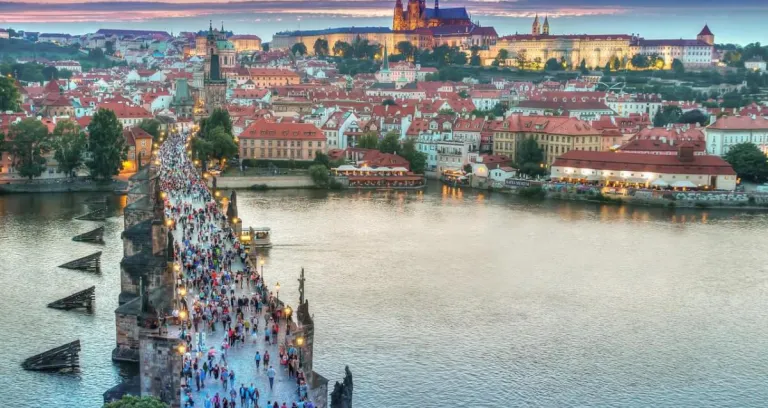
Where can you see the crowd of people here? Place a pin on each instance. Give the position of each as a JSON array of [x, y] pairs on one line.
[[220, 296]]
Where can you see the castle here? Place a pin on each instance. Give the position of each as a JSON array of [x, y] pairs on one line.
[[597, 50], [417, 15]]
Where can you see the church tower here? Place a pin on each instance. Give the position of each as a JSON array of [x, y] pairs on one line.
[[536, 29], [706, 35], [398, 22], [214, 86], [414, 14], [545, 28]]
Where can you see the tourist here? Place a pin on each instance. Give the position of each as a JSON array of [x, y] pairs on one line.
[[271, 376], [243, 395], [266, 360], [258, 360]]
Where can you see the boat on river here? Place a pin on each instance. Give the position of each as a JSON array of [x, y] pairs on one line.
[[256, 238]]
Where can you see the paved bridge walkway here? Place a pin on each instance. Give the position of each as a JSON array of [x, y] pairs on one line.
[[204, 232]]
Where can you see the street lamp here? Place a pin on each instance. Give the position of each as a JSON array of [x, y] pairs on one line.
[[300, 344], [287, 311], [261, 262], [182, 349]]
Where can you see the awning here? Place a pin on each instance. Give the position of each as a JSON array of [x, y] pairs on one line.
[[684, 183], [659, 183]]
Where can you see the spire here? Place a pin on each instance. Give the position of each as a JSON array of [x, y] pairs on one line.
[[222, 26], [437, 5], [385, 65], [210, 26]]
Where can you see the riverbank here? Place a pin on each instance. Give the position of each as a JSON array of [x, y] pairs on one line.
[[63, 187], [703, 200]]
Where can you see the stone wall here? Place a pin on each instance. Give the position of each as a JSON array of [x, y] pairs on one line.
[[160, 368], [127, 336]]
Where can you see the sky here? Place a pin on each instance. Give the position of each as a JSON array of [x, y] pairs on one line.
[[732, 21]]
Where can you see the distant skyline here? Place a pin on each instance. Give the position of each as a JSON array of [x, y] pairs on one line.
[[739, 21]]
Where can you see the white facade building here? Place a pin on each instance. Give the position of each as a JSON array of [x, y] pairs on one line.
[[730, 130]]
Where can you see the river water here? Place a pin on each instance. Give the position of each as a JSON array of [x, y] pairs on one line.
[[444, 298]]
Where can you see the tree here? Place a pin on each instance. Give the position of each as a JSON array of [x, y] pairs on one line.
[[678, 67], [109, 47], [501, 57], [106, 145], [9, 95], [522, 59], [748, 161], [368, 140], [219, 117], [319, 175], [69, 145], [299, 49], [322, 158], [390, 143], [389, 102], [265, 47], [50, 73], [459, 58], [130, 401], [95, 54], [694, 116], [405, 48], [668, 114], [640, 61], [583, 67], [342, 49], [615, 63], [529, 157], [463, 94], [417, 159], [29, 141], [65, 74], [151, 126], [553, 65], [321, 47]]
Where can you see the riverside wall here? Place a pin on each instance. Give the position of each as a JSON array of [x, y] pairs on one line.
[[63, 187], [643, 197], [271, 182]]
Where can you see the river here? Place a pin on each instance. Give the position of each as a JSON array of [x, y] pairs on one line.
[[444, 298]]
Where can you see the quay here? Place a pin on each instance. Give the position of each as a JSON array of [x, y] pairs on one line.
[[185, 277]]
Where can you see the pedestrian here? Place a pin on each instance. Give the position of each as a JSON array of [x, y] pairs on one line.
[[271, 375], [258, 360], [266, 360], [243, 395]]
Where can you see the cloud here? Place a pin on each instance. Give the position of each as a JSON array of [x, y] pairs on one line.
[[28, 11]]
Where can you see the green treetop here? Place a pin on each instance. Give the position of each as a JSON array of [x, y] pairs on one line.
[[28, 142], [69, 144], [106, 145]]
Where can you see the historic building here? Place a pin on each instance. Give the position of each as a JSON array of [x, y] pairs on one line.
[[281, 141], [214, 85], [417, 15], [225, 49], [598, 50]]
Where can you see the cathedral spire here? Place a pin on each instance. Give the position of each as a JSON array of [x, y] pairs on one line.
[[385, 65], [437, 5]]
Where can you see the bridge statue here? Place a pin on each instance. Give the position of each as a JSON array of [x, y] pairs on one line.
[[341, 397]]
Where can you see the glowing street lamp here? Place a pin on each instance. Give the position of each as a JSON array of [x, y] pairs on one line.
[[182, 349], [261, 262], [287, 311]]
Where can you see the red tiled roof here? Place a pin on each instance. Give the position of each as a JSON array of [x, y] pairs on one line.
[[263, 129], [132, 134], [740, 123], [124, 111], [668, 164]]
